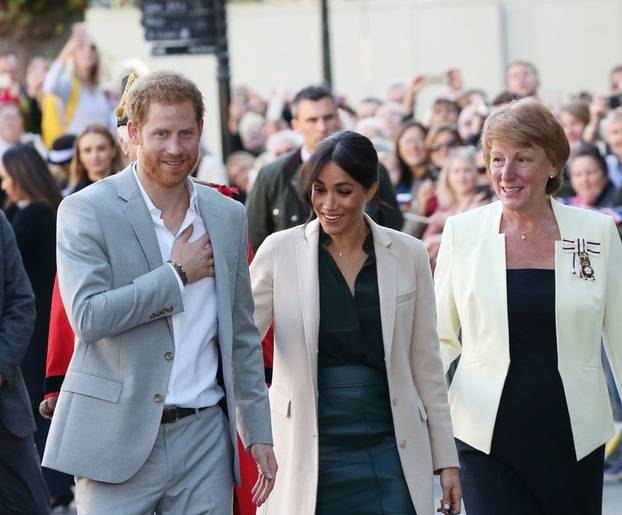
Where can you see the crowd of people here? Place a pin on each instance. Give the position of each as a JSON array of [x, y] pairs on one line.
[[384, 169]]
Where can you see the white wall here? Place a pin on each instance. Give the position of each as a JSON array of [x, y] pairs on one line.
[[574, 43]]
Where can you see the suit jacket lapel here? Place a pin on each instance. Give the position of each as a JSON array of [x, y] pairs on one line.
[[386, 269], [214, 227], [139, 217], [309, 287]]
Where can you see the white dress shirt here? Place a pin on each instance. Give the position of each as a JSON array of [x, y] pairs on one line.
[[193, 381]]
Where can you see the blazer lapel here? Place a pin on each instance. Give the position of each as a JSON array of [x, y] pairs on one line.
[[309, 287], [218, 239], [386, 269], [140, 219]]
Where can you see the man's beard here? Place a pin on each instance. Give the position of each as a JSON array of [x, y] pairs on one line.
[[168, 179]]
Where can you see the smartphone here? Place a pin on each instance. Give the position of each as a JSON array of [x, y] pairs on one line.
[[614, 101]]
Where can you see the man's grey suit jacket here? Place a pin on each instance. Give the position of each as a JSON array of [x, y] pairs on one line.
[[17, 319], [119, 297]]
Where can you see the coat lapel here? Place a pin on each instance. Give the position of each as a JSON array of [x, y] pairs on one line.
[[309, 287], [139, 217], [386, 269], [214, 227]]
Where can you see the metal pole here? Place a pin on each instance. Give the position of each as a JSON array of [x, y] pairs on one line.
[[224, 76], [326, 64]]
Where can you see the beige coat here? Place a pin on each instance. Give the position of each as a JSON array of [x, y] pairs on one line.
[[284, 276], [472, 305]]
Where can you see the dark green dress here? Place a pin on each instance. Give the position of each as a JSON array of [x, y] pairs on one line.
[[359, 466]]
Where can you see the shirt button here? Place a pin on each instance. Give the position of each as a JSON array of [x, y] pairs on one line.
[[168, 356], [275, 211], [403, 444], [294, 218], [158, 398]]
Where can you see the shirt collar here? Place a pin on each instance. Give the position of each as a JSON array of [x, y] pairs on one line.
[[304, 153], [151, 206]]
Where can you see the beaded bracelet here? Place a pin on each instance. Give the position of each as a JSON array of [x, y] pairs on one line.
[[180, 271]]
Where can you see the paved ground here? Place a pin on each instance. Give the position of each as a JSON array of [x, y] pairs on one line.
[[611, 502], [612, 498]]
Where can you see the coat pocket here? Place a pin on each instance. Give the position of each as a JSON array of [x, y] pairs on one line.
[[279, 402], [91, 385], [404, 297]]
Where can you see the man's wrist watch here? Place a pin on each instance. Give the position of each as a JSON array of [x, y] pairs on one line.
[[180, 271]]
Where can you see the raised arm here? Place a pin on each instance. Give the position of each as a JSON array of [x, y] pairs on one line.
[[94, 308]]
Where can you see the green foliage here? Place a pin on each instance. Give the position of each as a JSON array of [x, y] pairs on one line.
[[27, 20]]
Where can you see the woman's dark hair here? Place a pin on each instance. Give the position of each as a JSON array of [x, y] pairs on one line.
[[406, 175], [588, 150], [352, 152], [30, 173]]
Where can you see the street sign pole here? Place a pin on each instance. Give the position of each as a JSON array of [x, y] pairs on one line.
[[224, 87], [326, 61]]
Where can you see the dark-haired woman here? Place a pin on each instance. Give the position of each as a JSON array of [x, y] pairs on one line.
[[34, 197], [359, 409]]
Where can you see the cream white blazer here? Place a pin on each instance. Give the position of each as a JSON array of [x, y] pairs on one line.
[[471, 297], [285, 283]]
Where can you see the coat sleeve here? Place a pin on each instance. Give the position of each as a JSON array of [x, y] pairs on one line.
[[428, 370], [612, 329], [251, 393], [262, 285], [60, 345], [448, 325], [95, 309], [259, 207], [18, 309]]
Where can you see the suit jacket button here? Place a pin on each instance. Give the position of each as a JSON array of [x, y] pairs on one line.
[[403, 444], [394, 401], [168, 356], [158, 398], [153, 315], [168, 309]]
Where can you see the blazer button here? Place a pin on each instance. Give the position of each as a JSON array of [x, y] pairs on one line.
[[168, 356], [158, 398], [394, 401], [403, 444], [168, 309]]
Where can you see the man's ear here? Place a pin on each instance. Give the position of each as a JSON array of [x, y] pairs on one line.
[[133, 133]]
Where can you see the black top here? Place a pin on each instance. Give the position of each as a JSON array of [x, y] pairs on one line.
[[350, 327], [533, 417], [35, 232]]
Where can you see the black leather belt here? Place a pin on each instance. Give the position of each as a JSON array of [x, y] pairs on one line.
[[174, 414]]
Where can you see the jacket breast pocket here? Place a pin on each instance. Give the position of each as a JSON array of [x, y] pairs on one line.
[[279, 403], [91, 385]]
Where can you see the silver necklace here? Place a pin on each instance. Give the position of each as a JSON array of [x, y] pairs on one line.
[[523, 235]]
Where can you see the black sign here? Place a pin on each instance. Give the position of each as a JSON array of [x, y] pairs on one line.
[[182, 26], [192, 48]]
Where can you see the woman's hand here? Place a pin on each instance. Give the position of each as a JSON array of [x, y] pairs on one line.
[[452, 491]]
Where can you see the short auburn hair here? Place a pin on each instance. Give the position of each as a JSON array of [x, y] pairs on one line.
[[166, 88], [528, 123]]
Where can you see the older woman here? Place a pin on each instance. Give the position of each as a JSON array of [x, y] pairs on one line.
[[525, 288], [359, 411]]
